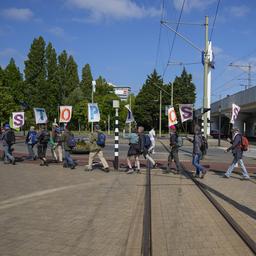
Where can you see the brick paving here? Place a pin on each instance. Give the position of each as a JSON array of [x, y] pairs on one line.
[[55, 211]]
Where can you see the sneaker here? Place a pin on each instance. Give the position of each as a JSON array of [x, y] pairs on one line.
[[155, 165], [225, 176], [166, 171], [130, 171], [138, 171], [246, 178], [72, 167], [106, 169], [13, 161], [196, 175], [203, 174]]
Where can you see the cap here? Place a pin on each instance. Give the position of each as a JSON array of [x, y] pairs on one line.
[[55, 124], [7, 126], [96, 127], [32, 127], [172, 127]]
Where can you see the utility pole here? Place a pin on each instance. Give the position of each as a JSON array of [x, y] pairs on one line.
[[93, 88], [160, 115], [206, 76]]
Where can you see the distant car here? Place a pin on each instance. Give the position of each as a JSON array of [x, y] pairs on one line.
[[215, 134]]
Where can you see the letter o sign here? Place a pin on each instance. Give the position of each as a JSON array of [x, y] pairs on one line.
[[65, 115], [172, 116]]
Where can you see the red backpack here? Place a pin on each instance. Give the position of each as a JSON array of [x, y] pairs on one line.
[[244, 143]]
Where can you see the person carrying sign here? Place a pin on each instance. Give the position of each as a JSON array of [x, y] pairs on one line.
[[31, 141], [237, 152], [97, 143], [43, 137], [174, 153], [69, 143]]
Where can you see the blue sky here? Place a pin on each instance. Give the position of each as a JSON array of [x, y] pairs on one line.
[[119, 38]]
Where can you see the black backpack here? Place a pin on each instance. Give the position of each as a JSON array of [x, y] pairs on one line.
[[204, 145], [147, 142], [45, 137], [10, 137]]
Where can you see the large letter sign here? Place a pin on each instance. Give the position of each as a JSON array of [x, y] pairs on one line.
[[235, 111], [93, 112], [65, 114], [172, 118], [186, 112], [40, 116], [18, 119]]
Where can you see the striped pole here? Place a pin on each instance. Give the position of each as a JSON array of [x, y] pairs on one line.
[[116, 164]]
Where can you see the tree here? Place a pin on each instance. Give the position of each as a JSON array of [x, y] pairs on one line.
[[35, 74], [13, 81], [52, 81], [146, 110], [184, 90], [86, 82], [61, 74], [72, 81]]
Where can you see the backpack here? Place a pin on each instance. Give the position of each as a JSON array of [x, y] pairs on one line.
[[244, 143], [45, 137], [204, 145], [71, 141], [147, 142], [32, 138], [10, 137], [101, 139]]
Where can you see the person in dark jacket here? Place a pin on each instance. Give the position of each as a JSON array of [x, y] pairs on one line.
[[237, 153], [68, 161], [43, 138], [7, 145], [143, 148], [174, 153], [197, 154]]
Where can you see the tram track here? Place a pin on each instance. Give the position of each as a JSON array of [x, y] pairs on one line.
[[249, 242]]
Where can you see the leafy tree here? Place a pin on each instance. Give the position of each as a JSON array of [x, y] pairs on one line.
[[14, 81], [61, 74], [72, 79], [146, 110], [7, 103], [52, 81], [35, 74], [86, 82]]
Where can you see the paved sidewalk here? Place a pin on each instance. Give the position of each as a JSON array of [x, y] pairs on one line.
[[61, 212]]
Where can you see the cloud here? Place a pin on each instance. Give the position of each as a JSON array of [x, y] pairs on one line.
[[115, 9], [22, 14], [193, 4], [239, 11], [57, 31]]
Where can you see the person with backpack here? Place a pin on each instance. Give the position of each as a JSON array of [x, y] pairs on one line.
[[237, 149], [134, 151], [31, 141], [174, 153], [43, 137], [145, 143], [97, 143], [197, 154], [69, 143], [57, 141], [8, 139]]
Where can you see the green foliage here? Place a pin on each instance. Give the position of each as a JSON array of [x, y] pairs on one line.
[[86, 82]]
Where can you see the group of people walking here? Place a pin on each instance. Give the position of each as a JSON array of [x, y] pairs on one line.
[[62, 141]]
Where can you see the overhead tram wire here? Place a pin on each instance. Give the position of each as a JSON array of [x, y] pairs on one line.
[[174, 37], [159, 36], [215, 17]]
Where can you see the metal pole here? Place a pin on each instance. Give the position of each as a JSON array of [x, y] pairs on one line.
[[172, 96], [130, 103], [219, 125], [160, 115], [249, 76], [116, 164], [206, 76]]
